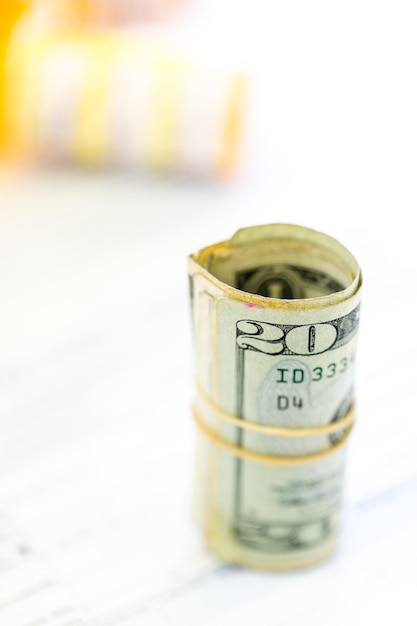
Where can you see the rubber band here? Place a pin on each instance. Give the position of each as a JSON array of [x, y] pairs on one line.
[[345, 422], [266, 459]]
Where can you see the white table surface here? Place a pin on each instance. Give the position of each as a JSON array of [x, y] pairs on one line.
[[96, 364]]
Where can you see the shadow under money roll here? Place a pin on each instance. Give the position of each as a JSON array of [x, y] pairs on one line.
[[275, 315]]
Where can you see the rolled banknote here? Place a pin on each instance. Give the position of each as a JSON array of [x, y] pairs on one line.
[[275, 315], [109, 99]]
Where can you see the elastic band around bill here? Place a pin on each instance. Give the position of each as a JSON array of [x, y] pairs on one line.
[[256, 457]]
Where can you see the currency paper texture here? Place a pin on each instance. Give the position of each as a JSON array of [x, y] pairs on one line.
[[275, 315]]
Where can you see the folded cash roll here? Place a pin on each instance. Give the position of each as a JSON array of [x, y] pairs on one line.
[[275, 315], [102, 99]]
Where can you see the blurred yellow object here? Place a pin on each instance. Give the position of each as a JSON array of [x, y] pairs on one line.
[[10, 13], [111, 12], [106, 99]]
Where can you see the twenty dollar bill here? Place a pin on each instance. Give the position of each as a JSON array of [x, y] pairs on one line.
[[275, 315]]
